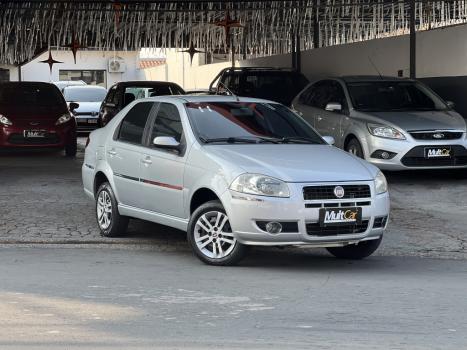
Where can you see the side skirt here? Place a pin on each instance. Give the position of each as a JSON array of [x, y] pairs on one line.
[[167, 220]]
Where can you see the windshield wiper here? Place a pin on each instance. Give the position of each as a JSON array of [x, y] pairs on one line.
[[297, 139], [228, 140]]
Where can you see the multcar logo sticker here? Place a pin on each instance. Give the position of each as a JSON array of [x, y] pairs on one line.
[[339, 216], [438, 152]]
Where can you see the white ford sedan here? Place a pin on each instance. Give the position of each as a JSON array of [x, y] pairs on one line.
[[233, 172]]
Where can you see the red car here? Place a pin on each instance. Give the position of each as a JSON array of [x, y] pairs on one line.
[[35, 115]]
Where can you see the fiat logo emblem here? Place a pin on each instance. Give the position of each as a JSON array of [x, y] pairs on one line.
[[438, 136], [339, 191]]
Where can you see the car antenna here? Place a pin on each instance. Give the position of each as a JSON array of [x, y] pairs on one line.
[[376, 68], [229, 91]]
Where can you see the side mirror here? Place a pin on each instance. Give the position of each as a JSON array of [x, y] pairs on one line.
[[166, 142], [329, 140], [73, 106], [333, 107], [450, 104]]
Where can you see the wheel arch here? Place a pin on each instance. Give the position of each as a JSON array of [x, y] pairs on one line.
[[200, 196]]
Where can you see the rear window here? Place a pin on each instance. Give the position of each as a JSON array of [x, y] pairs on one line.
[[27, 95]]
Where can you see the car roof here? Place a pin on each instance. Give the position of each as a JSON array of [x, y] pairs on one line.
[[206, 98], [370, 78], [145, 83], [84, 87], [263, 69], [26, 83]]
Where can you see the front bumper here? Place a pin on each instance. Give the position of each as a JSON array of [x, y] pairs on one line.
[[56, 136], [245, 211], [87, 122], [410, 153]]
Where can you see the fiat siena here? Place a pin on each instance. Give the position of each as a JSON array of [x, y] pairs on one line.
[[233, 173]]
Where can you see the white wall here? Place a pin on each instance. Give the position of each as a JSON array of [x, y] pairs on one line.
[[440, 52], [85, 60]]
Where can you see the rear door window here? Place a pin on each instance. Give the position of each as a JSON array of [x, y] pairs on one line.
[[134, 123]]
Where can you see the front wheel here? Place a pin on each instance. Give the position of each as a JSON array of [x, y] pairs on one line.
[[356, 252], [211, 237], [354, 147]]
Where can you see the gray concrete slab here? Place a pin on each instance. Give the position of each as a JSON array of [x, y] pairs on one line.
[[111, 298], [42, 202]]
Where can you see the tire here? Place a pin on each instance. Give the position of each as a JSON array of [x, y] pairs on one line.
[[72, 148], [356, 252], [109, 220], [354, 147], [211, 238]]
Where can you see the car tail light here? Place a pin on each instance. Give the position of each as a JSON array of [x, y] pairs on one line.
[[87, 142]]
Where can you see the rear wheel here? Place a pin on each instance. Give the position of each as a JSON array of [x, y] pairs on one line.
[[356, 252], [211, 237], [110, 222], [354, 147]]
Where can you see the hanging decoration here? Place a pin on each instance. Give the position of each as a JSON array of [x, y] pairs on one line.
[[75, 46], [192, 51], [29, 26], [228, 23], [50, 61]]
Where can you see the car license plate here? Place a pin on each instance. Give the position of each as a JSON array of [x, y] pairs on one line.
[[92, 121], [340, 216], [438, 152], [34, 133]]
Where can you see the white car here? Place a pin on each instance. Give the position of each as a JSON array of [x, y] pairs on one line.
[[89, 98], [233, 172]]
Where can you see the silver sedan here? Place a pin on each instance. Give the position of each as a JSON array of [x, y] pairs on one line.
[[395, 124], [232, 173]]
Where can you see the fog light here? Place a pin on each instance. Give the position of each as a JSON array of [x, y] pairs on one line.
[[381, 154], [273, 227]]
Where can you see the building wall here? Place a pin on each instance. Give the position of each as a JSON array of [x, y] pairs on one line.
[[440, 52], [85, 60]]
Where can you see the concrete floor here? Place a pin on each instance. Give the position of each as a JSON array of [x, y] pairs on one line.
[[110, 298], [42, 201]]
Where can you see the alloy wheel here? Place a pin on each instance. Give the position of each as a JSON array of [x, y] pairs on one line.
[[104, 210], [213, 235]]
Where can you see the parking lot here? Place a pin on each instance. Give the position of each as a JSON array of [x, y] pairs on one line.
[[43, 202]]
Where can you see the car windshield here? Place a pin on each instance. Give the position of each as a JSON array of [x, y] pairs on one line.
[[30, 95], [385, 96], [241, 122], [88, 94]]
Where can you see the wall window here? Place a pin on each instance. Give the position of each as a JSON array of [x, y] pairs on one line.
[[90, 77], [4, 74]]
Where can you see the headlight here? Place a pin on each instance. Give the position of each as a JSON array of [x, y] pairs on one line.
[[385, 131], [4, 120], [381, 184], [63, 119], [261, 185]]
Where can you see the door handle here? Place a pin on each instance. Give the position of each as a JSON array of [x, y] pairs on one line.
[[146, 161], [112, 152], [319, 118]]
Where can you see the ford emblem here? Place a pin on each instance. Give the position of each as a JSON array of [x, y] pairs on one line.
[[339, 191]]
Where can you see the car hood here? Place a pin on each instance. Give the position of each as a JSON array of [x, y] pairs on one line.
[[28, 112], [294, 163], [88, 107], [421, 120]]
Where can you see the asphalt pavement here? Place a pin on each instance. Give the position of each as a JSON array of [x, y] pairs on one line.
[[138, 299]]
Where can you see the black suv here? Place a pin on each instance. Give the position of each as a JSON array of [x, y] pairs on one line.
[[276, 84], [122, 94]]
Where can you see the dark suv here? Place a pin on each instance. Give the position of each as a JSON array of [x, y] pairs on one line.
[[276, 84], [122, 94]]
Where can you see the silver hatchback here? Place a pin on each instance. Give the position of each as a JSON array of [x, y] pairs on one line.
[[394, 123], [233, 173]]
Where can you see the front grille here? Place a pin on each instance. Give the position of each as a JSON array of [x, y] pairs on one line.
[[19, 139], [315, 229], [337, 204], [327, 192], [416, 157], [429, 135]]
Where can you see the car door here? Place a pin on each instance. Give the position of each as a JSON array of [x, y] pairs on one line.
[[328, 123], [162, 169], [124, 151]]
